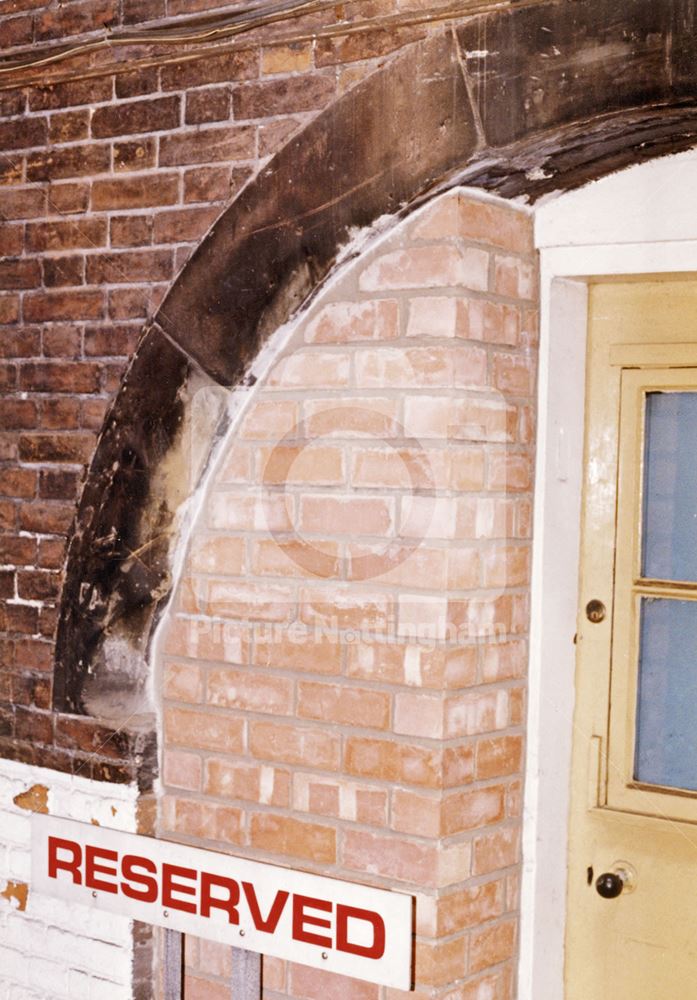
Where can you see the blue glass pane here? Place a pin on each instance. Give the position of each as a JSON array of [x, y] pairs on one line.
[[666, 737], [670, 487]]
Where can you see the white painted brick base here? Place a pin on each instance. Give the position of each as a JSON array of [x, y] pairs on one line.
[[53, 951]]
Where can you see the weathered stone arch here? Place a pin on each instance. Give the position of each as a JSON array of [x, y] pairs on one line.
[[522, 101]]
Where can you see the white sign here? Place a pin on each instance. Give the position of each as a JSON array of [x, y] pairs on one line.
[[353, 930]]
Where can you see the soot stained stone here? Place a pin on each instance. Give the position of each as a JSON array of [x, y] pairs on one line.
[[118, 556]]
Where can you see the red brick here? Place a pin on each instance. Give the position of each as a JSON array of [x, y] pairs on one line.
[[73, 305], [393, 857], [18, 414], [492, 945], [210, 105], [46, 518], [52, 553], [8, 515], [68, 198], [13, 102], [74, 92], [391, 761], [238, 689], [500, 756], [183, 224], [135, 192], [70, 161], [282, 59], [136, 155], [293, 838], [66, 235], [284, 96], [33, 654], [58, 341], [235, 142], [23, 342], [11, 170], [33, 725], [18, 31], [75, 448], [23, 133], [21, 618], [92, 413], [210, 183], [110, 341], [343, 705], [22, 203], [471, 809], [60, 413], [131, 230], [142, 80], [239, 65], [76, 19], [64, 271], [22, 273], [235, 780], [127, 266], [20, 483], [11, 239], [292, 744], [130, 303], [36, 585], [17, 550], [211, 731], [158, 115], [7, 583], [69, 126], [58, 376], [357, 47], [58, 484], [316, 984]]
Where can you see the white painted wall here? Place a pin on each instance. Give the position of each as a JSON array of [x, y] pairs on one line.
[[642, 220], [53, 951]]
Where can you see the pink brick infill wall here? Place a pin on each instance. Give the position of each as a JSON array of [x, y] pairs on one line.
[[343, 666]]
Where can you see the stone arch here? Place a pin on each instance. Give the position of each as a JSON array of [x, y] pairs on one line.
[[522, 101]]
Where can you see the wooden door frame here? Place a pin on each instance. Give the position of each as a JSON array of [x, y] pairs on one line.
[[637, 222]]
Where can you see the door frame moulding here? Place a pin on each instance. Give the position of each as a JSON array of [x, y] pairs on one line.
[[640, 221]]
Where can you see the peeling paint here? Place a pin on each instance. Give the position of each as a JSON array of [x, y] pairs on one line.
[[34, 799], [16, 893]]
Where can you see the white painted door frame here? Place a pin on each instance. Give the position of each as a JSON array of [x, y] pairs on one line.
[[642, 220]]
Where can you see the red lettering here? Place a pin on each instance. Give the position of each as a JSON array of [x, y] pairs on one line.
[[92, 854], [209, 902], [72, 864], [271, 923], [300, 918], [129, 869], [169, 886], [343, 914]]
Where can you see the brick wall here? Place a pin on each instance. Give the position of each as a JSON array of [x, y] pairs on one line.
[[343, 676], [107, 183]]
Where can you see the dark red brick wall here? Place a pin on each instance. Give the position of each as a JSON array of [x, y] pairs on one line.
[[107, 183]]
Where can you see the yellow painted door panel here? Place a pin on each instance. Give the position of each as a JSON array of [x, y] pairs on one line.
[[634, 779]]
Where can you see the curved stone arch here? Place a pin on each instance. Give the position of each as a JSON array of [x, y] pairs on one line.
[[520, 102]]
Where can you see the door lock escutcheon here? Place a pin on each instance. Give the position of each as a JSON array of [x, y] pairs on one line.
[[595, 611]]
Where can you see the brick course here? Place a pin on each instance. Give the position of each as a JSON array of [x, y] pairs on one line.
[[380, 494], [110, 183]]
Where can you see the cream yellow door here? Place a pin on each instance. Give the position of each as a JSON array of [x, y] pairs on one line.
[[632, 871]]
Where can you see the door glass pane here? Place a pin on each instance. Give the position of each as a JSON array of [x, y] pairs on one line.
[[670, 487], [666, 737]]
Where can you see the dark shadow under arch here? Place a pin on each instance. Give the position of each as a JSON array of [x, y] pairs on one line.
[[520, 102]]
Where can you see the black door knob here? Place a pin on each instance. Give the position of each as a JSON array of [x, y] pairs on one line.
[[609, 885]]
